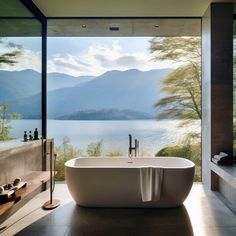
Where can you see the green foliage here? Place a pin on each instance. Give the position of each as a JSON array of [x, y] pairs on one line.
[[5, 119], [64, 153], [234, 138], [190, 149], [183, 85], [176, 49], [234, 146], [183, 89], [174, 151], [191, 152], [13, 51], [114, 153], [95, 149]]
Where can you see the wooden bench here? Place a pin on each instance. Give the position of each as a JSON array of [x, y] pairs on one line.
[[36, 183]]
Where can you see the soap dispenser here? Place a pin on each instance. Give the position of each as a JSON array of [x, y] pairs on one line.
[[25, 137], [30, 136], [36, 134]]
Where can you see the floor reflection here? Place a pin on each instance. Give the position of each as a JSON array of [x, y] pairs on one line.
[[71, 219]]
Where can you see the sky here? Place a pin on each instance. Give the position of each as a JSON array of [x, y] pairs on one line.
[[79, 56]]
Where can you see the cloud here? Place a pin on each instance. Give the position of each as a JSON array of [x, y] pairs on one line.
[[27, 60], [99, 58], [96, 59]]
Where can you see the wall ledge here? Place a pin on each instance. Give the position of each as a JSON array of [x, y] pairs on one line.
[[16, 145]]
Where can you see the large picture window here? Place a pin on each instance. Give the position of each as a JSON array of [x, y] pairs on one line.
[[100, 89]]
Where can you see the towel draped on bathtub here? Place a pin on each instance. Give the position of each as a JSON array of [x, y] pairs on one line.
[[151, 183]]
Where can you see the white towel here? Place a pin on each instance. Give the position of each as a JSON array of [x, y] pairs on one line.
[[220, 156], [151, 183], [223, 154]]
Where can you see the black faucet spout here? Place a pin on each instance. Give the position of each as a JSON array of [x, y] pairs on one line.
[[130, 145], [131, 148]]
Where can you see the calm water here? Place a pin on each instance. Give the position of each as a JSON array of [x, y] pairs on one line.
[[152, 134]]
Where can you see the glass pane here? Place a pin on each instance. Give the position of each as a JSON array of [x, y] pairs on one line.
[[100, 89], [20, 77]]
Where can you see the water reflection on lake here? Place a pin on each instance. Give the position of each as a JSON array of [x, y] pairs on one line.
[[152, 134]]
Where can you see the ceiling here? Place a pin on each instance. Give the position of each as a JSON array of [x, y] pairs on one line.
[[163, 17], [124, 27], [124, 8]]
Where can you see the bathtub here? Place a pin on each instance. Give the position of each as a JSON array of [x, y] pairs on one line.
[[115, 182]]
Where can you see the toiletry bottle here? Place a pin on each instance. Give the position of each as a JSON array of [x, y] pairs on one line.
[[25, 137], [30, 136], [36, 134]]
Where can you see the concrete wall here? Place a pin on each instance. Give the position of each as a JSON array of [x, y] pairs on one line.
[[18, 159]]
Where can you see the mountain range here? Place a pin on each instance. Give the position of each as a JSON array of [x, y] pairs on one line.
[[22, 84], [115, 94]]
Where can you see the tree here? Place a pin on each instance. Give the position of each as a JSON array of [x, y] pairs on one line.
[[9, 57], [12, 52], [182, 85], [5, 119]]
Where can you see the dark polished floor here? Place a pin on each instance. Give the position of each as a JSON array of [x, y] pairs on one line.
[[74, 220], [202, 214]]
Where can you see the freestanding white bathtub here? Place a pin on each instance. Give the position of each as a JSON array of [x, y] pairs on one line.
[[115, 182]]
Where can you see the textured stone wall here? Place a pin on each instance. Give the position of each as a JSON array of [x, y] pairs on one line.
[[18, 159]]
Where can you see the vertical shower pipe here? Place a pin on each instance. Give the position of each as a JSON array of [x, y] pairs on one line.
[[52, 203]]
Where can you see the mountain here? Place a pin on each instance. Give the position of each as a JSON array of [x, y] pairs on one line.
[[106, 114], [132, 89], [15, 85], [60, 80]]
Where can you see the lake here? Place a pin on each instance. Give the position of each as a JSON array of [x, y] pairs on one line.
[[152, 134]]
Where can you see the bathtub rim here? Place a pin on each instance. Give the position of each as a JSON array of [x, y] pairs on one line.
[[70, 163]]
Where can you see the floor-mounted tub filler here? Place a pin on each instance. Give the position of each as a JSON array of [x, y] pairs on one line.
[[160, 182]]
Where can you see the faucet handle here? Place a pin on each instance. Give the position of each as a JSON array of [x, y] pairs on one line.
[[136, 145]]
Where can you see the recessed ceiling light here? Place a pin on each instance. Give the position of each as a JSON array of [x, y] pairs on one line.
[[156, 26], [84, 26]]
